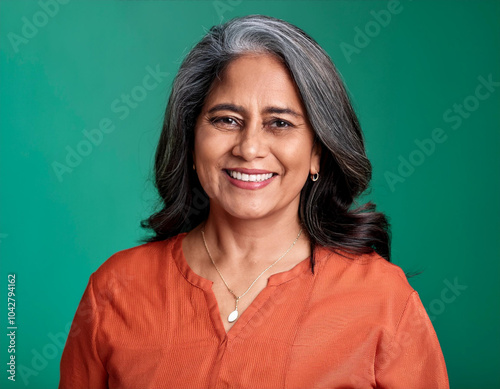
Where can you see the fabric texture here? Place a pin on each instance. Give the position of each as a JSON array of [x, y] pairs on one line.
[[146, 320]]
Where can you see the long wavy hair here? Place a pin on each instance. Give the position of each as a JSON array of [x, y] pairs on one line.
[[327, 210]]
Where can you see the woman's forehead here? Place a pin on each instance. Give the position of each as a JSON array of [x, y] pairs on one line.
[[256, 79]]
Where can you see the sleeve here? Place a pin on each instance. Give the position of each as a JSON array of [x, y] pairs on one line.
[[81, 367], [413, 359]]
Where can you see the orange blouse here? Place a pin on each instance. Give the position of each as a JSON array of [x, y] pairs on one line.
[[146, 320]]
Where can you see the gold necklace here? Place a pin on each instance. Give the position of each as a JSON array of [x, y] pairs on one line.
[[234, 315]]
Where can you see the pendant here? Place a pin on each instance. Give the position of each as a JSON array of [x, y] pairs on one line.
[[232, 316]]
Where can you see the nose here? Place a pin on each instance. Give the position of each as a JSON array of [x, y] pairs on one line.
[[251, 142]]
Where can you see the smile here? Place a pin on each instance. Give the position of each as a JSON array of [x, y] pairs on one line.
[[249, 177]]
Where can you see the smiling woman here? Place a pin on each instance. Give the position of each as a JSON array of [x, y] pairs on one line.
[[252, 134], [278, 280]]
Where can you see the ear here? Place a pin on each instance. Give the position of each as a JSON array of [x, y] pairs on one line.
[[315, 157]]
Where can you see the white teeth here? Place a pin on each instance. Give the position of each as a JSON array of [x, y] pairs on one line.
[[250, 177]]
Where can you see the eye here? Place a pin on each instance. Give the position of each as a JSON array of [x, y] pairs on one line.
[[278, 123], [224, 122]]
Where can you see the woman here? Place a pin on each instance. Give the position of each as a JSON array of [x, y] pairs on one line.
[[260, 273]]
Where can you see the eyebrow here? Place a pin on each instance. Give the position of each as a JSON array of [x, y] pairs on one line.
[[240, 109]]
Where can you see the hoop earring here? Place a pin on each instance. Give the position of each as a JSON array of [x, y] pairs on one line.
[[314, 177]]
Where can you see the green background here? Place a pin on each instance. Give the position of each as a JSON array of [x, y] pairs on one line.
[[64, 79]]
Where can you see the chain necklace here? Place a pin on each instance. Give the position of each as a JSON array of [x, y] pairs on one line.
[[234, 315]]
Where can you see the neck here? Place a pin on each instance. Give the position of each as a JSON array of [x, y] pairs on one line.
[[245, 244]]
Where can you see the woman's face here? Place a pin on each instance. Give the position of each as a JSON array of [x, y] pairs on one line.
[[253, 146]]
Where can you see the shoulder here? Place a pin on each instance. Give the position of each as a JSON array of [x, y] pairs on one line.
[[135, 264], [369, 276]]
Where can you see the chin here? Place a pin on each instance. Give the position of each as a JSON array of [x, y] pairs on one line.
[[250, 215], [247, 211]]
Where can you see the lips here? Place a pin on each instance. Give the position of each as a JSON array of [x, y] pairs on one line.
[[249, 178]]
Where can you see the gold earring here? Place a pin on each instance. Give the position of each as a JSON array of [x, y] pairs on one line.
[[194, 166], [315, 176]]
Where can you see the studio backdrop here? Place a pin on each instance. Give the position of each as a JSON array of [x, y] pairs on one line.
[[84, 85]]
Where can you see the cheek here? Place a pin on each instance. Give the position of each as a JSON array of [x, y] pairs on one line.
[[206, 149], [209, 152], [295, 158]]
